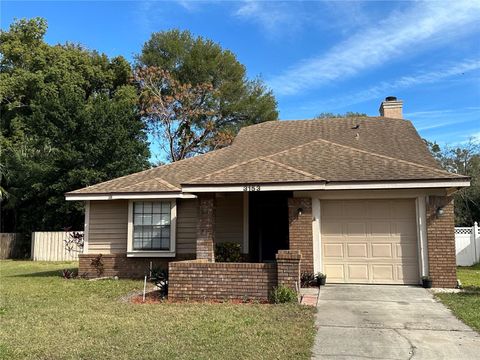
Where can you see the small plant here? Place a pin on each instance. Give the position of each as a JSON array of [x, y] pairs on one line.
[[97, 263], [74, 241], [307, 279], [321, 278], [228, 252], [69, 274], [426, 282], [159, 277], [282, 295]]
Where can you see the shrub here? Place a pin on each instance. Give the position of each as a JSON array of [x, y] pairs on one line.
[[69, 274], [307, 279], [159, 277], [97, 263], [228, 252], [283, 294]]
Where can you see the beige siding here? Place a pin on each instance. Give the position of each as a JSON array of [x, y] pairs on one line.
[[108, 227], [229, 218], [108, 224], [186, 226]]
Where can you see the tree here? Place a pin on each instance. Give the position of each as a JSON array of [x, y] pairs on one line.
[[69, 119], [228, 99], [464, 160], [348, 114]]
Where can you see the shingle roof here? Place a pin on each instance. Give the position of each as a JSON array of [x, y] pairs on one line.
[[380, 149]]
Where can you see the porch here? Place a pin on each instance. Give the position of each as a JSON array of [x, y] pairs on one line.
[[275, 229]]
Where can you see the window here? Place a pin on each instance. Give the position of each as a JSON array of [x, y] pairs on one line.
[[152, 225]]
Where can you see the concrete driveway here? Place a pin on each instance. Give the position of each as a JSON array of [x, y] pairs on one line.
[[389, 322]]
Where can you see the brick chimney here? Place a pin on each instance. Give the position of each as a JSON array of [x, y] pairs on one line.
[[391, 108]]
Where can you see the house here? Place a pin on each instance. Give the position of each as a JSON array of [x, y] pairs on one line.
[[360, 199]]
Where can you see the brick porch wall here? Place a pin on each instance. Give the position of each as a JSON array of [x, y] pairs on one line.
[[122, 266], [288, 269], [442, 266], [203, 280], [300, 230]]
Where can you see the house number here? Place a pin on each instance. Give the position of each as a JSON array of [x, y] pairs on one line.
[[251, 188]]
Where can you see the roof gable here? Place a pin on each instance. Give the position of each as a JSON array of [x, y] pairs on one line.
[[348, 149]]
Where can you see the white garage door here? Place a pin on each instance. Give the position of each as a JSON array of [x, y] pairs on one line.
[[369, 241]]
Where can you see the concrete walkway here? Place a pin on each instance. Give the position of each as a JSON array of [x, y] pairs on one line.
[[389, 322]]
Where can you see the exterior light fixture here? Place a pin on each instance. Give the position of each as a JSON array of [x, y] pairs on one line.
[[440, 211], [299, 211]]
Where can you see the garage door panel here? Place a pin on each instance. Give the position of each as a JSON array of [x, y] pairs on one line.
[[380, 228], [333, 210], [406, 251], [355, 210], [355, 250], [335, 272], [333, 250], [370, 241], [382, 250], [332, 228], [379, 209], [357, 272], [356, 229], [403, 209], [404, 227], [383, 272], [407, 273]]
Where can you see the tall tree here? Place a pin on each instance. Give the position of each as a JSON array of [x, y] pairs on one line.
[[69, 119], [232, 100], [464, 160]]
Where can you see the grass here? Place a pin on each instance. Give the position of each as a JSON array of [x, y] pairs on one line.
[[466, 305], [43, 316]]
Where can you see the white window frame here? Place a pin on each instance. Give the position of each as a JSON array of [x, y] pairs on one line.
[[152, 253]]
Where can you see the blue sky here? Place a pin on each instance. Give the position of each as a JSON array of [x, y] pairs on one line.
[[316, 56]]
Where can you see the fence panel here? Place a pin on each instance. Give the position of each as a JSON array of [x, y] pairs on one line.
[[11, 245], [467, 244], [50, 246]]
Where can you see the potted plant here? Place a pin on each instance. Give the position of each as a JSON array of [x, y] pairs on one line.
[[321, 279], [426, 282]]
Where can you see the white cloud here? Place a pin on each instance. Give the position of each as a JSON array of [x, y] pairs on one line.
[[388, 87], [271, 16], [400, 33]]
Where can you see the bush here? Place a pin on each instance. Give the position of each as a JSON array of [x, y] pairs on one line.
[[283, 294], [68, 274], [159, 277], [228, 252], [307, 279]]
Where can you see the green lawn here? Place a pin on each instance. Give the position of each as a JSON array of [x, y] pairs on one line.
[[43, 316], [466, 306]]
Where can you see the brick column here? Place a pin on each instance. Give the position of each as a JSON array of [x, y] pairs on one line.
[[442, 267], [300, 230], [206, 227], [288, 268]]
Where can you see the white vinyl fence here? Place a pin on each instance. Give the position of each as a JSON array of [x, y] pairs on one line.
[[467, 244], [50, 246]]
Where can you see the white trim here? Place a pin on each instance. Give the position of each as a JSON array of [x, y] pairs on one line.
[[331, 186], [245, 222], [86, 227], [422, 235], [241, 188], [317, 235], [370, 194], [138, 196], [398, 185], [152, 253]]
